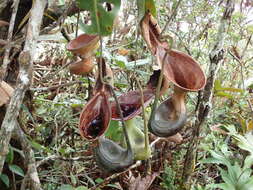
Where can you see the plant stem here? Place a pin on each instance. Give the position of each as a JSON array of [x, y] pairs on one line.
[[77, 22], [129, 147], [103, 82], [171, 17], [157, 91], [143, 116], [148, 168]]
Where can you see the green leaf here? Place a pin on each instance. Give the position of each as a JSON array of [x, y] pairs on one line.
[[232, 89], [40, 147], [61, 2], [150, 6], [37, 146], [17, 170], [120, 85], [121, 61], [114, 186], [224, 94], [99, 180], [248, 162], [217, 85], [114, 131], [224, 186], [220, 90], [101, 18], [246, 142], [250, 28], [66, 187], [220, 158], [244, 176], [5, 179], [10, 156], [141, 9], [248, 184], [73, 179], [226, 178], [144, 6]]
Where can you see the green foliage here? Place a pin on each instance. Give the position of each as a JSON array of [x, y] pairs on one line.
[[146, 6], [237, 175], [227, 158], [168, 179], [17, 170], [225, 91], [114, 131], [102, 20], [10, 156], [5, 179]]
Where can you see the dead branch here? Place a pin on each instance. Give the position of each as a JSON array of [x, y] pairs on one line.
[[215, 56], [55, 86], [110, 178], [32, 173], [24, 78], [6, 59]]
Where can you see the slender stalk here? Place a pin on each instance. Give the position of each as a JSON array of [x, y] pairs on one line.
[[171, 17], [102, 81], [157, 91], [143, 116], [77, 22], [148, 168], [129, 147]]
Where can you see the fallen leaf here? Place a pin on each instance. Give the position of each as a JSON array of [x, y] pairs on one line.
[[218, 129], [143, 183], [123, 51], [5, 92], [3, 23], [250, 125], [177, 138]]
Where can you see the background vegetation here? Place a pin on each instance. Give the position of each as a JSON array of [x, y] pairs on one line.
[[50, 112]]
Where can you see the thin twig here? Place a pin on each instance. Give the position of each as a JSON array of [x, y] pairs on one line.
[[51, 75], [77, 22], [56, 157], [242, 76], [241, 68], [65, 35], [110, 178], [171, 17], [32, 173], [129, 147], [55, 86], [148, 168], [246, 47], [6, 59], [158, 88], [143, 115]]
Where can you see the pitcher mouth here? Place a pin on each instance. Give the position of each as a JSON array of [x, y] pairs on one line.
[[182, 70], [130, 104]]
